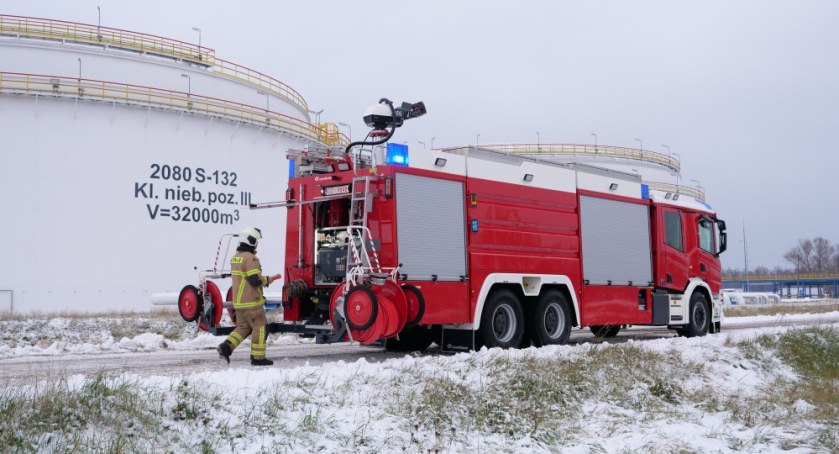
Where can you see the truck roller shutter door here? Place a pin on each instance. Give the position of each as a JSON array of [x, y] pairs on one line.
[[431, 228], [616, 242]]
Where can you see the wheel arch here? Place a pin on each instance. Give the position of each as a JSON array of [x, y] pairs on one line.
[[699, 285], [528, 287]]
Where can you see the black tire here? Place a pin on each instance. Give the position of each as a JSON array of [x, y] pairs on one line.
[[699, 317], [550, 322], [502, 321], [605, 331], [411, 340]]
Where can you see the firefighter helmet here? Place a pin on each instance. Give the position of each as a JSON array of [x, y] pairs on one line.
[[250, 236]]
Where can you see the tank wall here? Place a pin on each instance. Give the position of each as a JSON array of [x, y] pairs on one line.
[[85, 224], [113, 65]]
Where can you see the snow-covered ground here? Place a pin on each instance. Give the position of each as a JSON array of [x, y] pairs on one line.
[[704, 394], [61, 336]]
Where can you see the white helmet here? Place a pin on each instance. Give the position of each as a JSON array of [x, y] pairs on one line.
[[250, 236]]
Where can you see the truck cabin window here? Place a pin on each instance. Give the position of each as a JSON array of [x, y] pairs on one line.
[[673, 229], [706, 235]]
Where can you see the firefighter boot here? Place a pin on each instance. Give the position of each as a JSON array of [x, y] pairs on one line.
[[261, 362], [225, 350]]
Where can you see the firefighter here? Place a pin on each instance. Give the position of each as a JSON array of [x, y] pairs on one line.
[[248, 300]]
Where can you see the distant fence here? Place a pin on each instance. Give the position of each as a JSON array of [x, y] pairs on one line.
[[820, 285]]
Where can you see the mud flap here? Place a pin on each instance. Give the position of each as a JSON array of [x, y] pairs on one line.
[[661, 309], [457, 340]]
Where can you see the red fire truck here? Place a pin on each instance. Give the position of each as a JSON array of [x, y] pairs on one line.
[[470, 247]]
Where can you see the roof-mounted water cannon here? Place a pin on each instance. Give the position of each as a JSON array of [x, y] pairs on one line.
[[383, 115]]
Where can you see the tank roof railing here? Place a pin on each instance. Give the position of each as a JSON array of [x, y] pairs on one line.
[[63, 31], [546, 150], [137, 95], [677, 189], [58, 30]]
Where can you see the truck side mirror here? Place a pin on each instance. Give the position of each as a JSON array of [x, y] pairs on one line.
[[723, 242]]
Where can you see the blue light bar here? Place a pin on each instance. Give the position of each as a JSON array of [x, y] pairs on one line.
[[397, 154]]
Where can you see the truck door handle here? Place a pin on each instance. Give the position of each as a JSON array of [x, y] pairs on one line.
[[702, 267]]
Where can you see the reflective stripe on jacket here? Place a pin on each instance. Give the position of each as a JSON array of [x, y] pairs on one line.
[[245, 295]]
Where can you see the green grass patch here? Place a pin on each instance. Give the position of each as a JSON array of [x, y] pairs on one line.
[[811, 396], [812, 352], [99, 415], [543, 398]]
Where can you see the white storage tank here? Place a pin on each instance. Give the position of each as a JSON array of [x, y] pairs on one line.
[[124, 158]]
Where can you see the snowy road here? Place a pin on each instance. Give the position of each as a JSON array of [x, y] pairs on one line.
[[21, 369]]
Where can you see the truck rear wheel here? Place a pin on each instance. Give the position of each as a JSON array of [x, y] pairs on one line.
[[700, 317], [502, 322], [410, 340], [551, 320], [605, 331]]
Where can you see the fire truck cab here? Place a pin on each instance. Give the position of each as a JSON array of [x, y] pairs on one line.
[[470, 247]]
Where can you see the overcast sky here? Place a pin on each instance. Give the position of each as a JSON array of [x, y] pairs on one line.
[[747, 92]]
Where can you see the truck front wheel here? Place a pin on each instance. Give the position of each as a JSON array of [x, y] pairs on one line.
[[502, 322], [550, 322], [700, 317]]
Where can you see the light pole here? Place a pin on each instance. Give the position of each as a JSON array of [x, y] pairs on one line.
[[421, 143], [267, 99], [317, 115], [80, 71], [698, 185], [642, 144], [538, 142], [669, 158], [188, 85], [196, 29], [595, 142], [477, 140], [746, 255], [99, 23], [798, 274], [432, 143], [678, 175], [348, 127]]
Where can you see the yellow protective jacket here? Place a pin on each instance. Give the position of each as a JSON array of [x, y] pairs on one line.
[[244, 265]]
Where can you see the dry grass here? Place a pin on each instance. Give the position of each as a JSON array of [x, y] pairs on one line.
[[548, 400], [156, 313], [784, 308]]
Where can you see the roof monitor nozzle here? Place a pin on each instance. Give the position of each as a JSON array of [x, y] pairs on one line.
[[384, 115]]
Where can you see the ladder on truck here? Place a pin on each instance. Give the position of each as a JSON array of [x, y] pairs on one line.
[[362, 257]]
